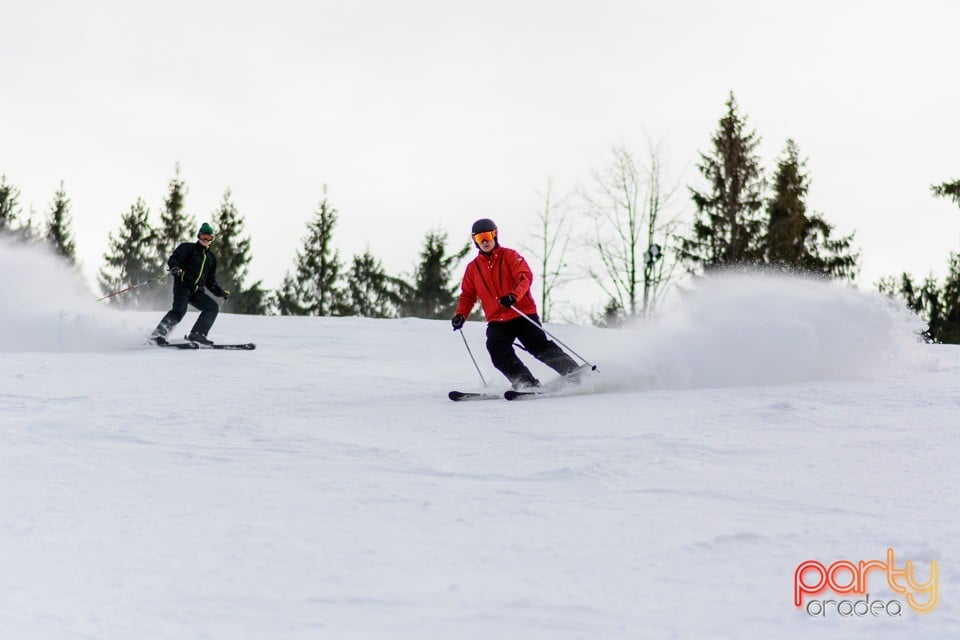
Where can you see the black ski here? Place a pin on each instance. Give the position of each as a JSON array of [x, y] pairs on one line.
[[510, 394], [465, 396], [177, 345], [246, 346]]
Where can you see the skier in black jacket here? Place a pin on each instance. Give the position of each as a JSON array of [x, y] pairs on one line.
[[194, 269]]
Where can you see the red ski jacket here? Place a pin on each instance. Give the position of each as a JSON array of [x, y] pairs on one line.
[[489, 278]]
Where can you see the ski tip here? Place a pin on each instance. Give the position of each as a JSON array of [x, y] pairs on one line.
[[463, 396], [235, 347], [511, 394], [247, 346]]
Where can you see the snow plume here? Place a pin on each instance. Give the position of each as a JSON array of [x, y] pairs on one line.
[[47, 308], [755, 329]]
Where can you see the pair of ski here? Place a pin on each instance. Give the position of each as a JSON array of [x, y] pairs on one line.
[[510, 394], [187, 344], [552, 388]]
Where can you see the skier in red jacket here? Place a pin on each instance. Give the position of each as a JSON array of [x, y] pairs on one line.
[[501, 279]]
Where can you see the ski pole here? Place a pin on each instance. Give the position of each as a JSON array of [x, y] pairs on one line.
[[593, 367], [467, 345], [133, 286]]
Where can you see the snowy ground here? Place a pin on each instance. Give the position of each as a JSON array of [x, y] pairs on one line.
[[323, 486]]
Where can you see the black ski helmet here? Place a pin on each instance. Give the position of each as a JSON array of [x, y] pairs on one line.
[[483, 224]]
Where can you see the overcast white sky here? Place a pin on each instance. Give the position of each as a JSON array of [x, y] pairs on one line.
[[430, 113]]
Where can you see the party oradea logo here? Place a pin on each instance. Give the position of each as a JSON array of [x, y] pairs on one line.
[[814, 581]]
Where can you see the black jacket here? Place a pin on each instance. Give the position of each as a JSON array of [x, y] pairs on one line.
[[199, 267]]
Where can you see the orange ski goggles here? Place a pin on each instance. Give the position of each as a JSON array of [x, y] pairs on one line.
[[484, 236]]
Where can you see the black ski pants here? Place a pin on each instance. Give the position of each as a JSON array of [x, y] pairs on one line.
[[182, 295], [500, 337]]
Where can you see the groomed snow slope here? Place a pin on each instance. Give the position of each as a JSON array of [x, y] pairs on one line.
[[323, 486]]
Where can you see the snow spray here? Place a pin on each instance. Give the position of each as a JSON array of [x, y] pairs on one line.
[[47, 308], [754, 329]]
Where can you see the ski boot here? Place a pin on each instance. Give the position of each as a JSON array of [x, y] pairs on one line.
[[196, 336], [525, 383]]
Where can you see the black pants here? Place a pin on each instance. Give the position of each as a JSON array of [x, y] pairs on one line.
[[200, 299], [500, 337]]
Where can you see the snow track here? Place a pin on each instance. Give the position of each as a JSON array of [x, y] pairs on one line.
[[323, 486]]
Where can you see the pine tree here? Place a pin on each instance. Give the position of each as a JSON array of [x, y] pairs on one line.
[[233, 261], [9, 206], [938, 306], [253, 300], [728, 227], [611, 316], [59, 232], [131, 259], [370, 292], [949, 190], [314, 289], [787, 209], [923, 299], [30, 230], [431, 295], [175, 226], [287, 299], [796, 239], [949, 329]]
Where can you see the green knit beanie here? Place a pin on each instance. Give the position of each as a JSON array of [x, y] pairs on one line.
[[205, 229]]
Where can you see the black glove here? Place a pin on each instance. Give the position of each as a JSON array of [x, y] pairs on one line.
[[457, 322], [226, 295], [508, 300], [175, 271]]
